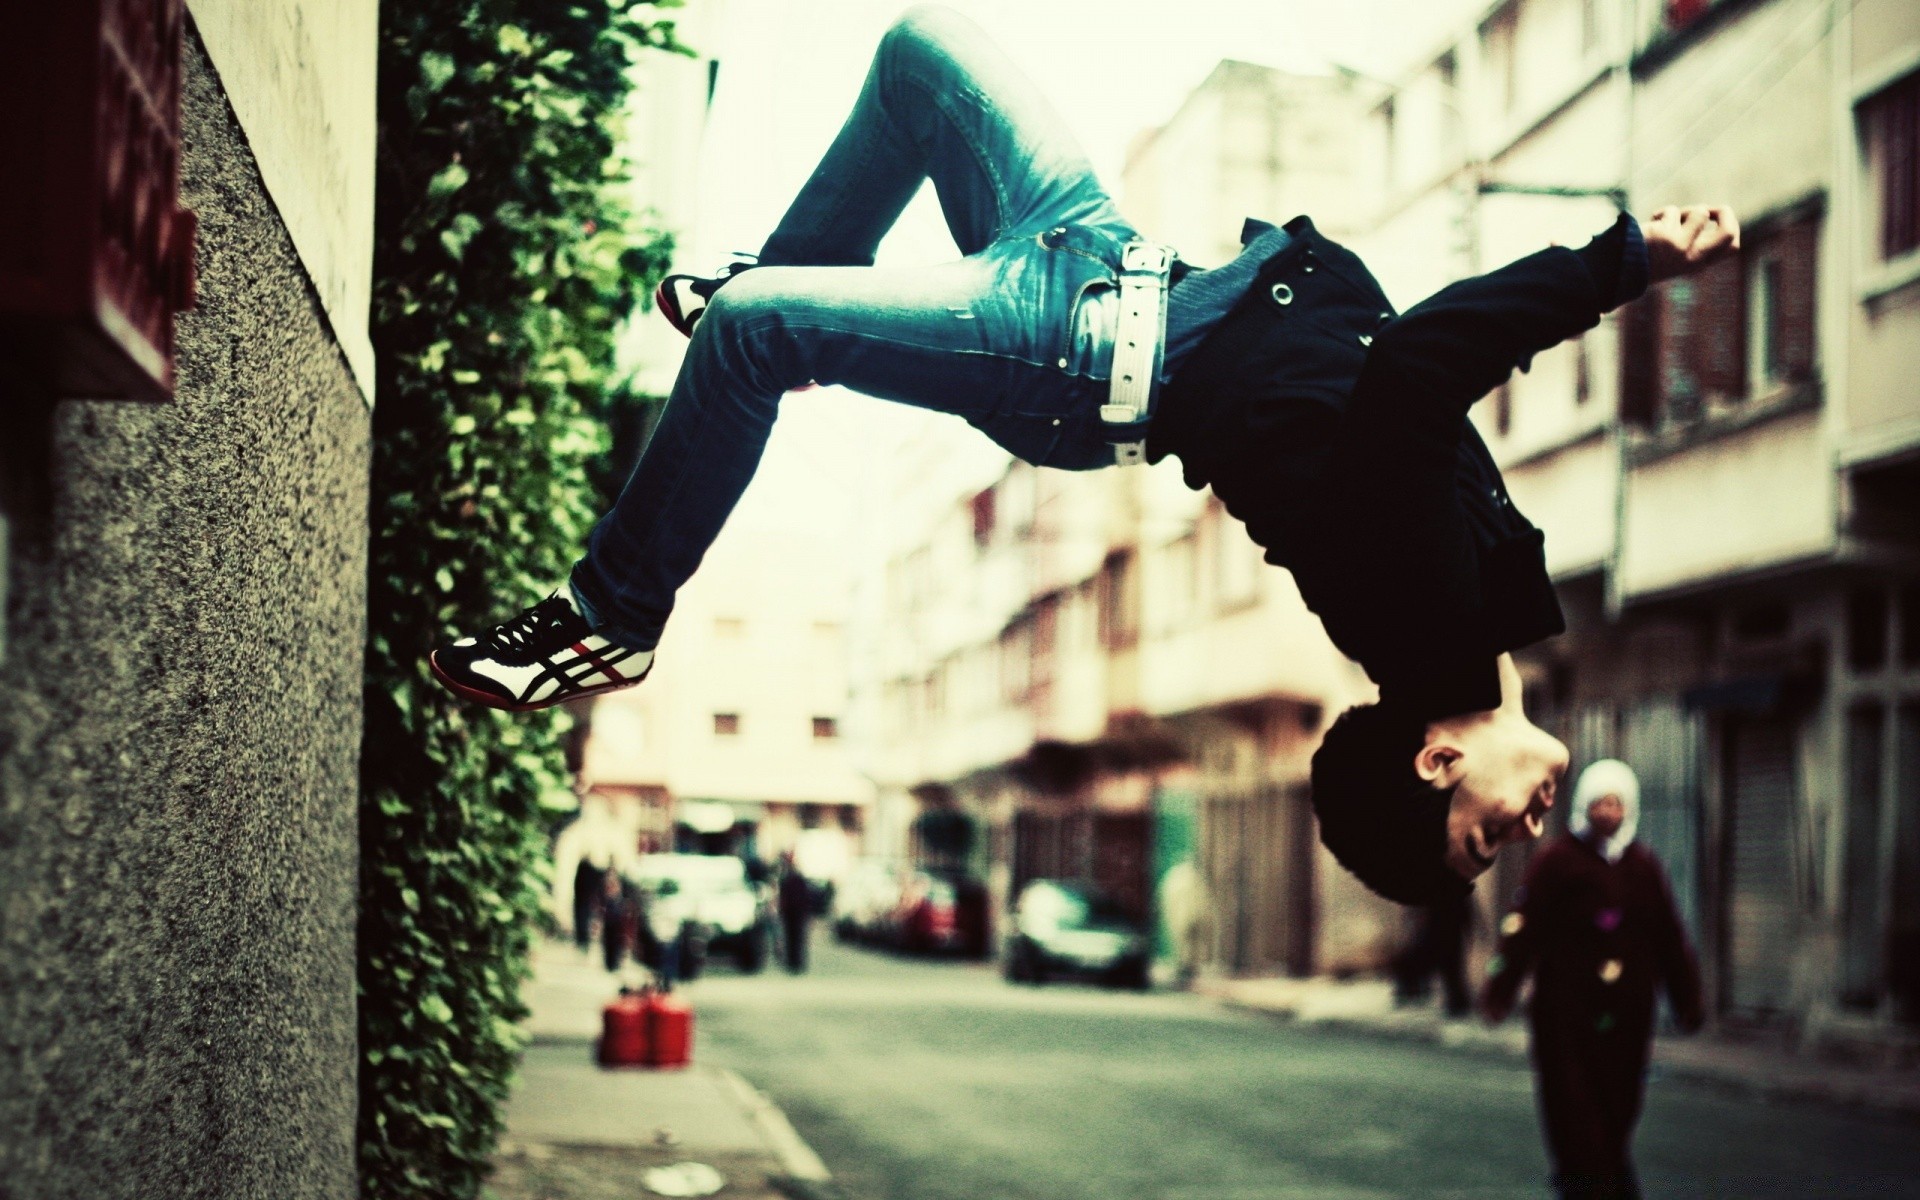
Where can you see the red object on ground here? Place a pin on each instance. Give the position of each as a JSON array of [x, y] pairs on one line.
[[669, 1031], [623, 1031]]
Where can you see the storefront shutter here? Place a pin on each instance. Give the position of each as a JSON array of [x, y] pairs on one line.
[[1761, 911]]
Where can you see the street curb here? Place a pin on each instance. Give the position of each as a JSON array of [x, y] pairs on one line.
[[796, 1158]]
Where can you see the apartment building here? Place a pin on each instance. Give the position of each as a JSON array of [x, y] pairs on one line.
[[1726, 469]]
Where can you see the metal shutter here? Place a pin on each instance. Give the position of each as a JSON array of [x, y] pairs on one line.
[[1762, 915]]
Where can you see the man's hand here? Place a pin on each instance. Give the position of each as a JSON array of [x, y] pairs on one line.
[[1682, 240]]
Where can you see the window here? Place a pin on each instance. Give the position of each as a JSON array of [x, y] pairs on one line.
[[1867, 629], [1119, 601], [1890, 127], [729, 627], [1910, 625], [1496, 52], [726, 724], [1763, 301], [1386, 111], [1743, 327], [982, 506], [826, 729], [1236, 559]]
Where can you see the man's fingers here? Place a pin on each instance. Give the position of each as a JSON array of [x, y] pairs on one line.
[[1693, 223], [1730, 224]]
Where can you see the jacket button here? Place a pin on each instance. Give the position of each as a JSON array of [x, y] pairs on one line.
[[1308, 268], [1282, 294], [1366, 339]]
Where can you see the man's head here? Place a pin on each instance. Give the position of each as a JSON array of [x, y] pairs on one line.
[[1416, 809]]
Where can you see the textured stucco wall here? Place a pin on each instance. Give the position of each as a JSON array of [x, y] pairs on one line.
[[179, 737]]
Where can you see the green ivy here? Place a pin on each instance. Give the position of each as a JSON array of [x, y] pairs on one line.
[[506, 258]]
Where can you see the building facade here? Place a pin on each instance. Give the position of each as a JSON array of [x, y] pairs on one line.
[[1725, 469]]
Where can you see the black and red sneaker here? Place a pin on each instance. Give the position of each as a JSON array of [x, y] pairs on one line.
[[545, 656], [682, 299]]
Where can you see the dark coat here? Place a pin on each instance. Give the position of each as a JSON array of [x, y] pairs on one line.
[[1599, 939], [1338, 433]]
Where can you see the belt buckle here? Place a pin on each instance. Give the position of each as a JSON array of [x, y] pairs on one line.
[[1146, 258]]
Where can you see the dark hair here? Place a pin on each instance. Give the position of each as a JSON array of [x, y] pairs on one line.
[[1379, 818]]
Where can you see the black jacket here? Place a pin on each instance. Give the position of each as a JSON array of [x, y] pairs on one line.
[[1338, 432]]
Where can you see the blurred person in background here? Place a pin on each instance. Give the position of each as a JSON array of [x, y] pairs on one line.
[[588, 880], [1336, 431], [1439, 947], [1183, 913], [619, 914], [794, 899], [1596, 925]]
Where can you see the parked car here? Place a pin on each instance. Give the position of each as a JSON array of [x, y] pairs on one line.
[[864, 902], [719, 910], [1066, 928], [940, 913]]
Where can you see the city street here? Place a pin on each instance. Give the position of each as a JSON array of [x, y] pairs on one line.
[[918, 1080]]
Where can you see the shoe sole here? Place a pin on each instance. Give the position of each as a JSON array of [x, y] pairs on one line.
[[489, 700]]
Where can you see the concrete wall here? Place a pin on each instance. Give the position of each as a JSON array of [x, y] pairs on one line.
[[178, 748], [300, 76]]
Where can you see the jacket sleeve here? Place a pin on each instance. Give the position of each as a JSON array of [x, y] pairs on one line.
[[1679, 966], [1396, 456], [1520, 933]]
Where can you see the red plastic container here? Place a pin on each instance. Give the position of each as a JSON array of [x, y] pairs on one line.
[[623, 1031], [669, 1031]]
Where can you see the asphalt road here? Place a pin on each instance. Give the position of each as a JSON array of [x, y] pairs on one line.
[[921, 1080]]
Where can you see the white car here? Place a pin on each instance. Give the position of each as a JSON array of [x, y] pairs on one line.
[[708, 898]]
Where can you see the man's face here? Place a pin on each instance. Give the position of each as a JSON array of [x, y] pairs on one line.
[[1509, 769], [1605, 815]]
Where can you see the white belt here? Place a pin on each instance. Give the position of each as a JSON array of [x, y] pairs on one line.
[[1139, 341]]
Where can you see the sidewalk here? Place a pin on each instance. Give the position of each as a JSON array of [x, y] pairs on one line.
[[1366, 1006], [578, 1132]]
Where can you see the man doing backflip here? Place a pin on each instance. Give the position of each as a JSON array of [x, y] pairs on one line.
[[1334, 428]]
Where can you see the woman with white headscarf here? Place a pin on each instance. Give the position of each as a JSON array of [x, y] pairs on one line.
[[1595, 924]]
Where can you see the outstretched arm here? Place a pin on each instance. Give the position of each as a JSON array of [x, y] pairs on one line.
[[1396, 458]]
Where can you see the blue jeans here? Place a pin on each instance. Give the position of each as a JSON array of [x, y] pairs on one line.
[[1015, 337]]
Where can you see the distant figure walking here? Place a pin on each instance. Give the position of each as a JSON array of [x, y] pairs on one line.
[[617, 919], [588, 879], [795, 900], [1596, 924], [1439, 948]]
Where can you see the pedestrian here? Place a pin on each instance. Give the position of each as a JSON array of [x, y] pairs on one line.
[[1335, 430], [618, 916], [794, 898], [1184, 904], [588, 879], [1439, 947], [1596, 926]]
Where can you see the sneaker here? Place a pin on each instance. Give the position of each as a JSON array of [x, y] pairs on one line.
[[545, 656], [682, 299]]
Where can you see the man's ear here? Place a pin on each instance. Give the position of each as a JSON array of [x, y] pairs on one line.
[[1440, 762]]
